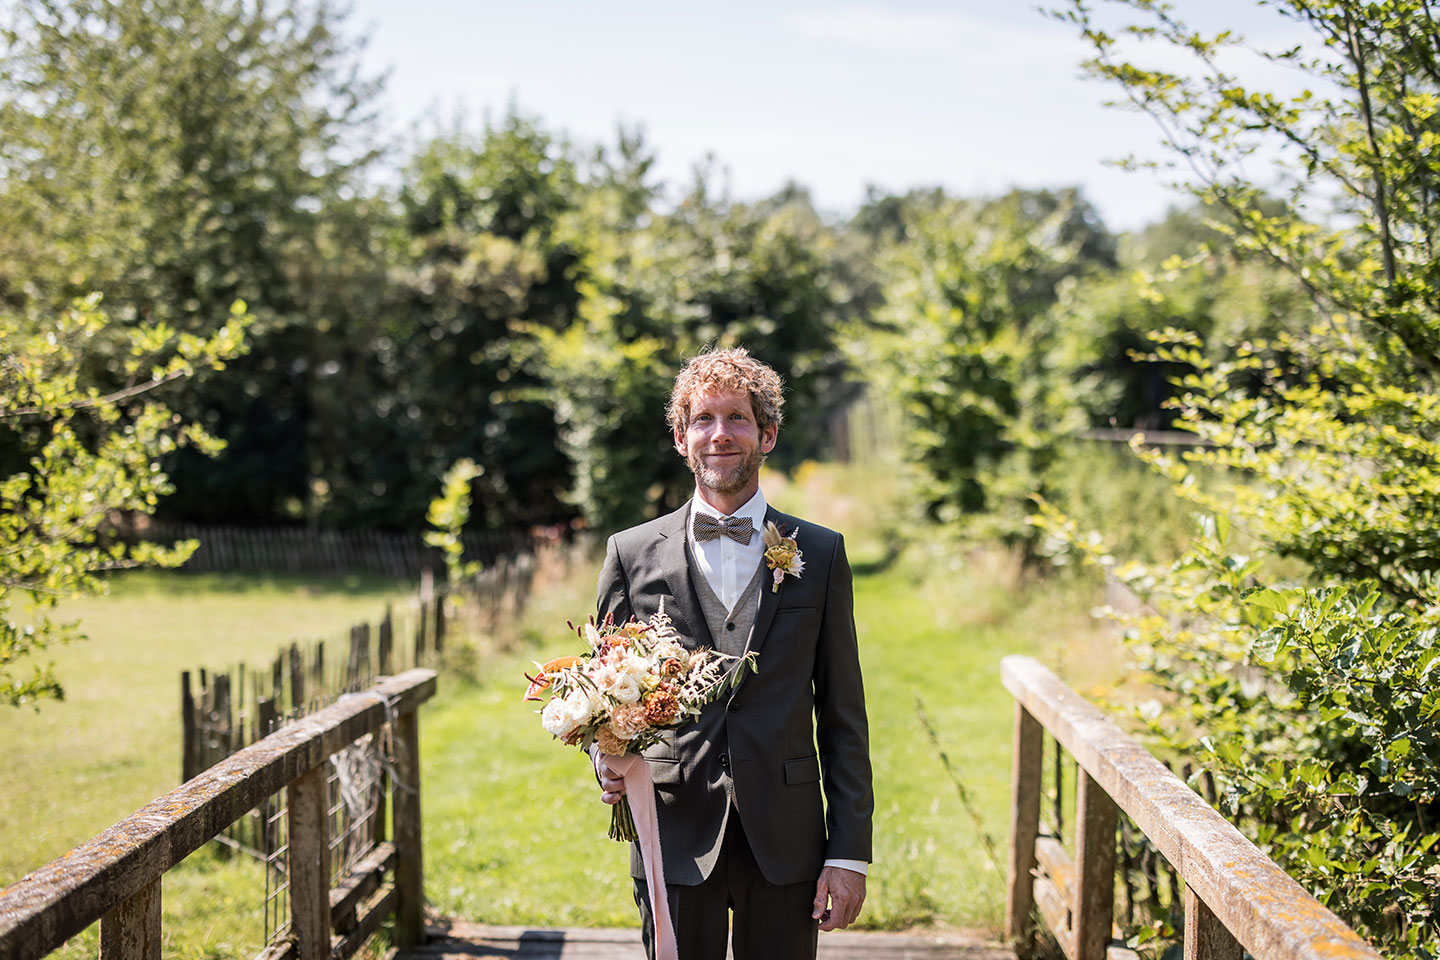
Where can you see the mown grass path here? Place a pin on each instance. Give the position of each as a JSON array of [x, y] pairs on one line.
[[515, 832]]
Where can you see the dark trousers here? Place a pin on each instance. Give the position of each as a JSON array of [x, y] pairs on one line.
[[771, 922]]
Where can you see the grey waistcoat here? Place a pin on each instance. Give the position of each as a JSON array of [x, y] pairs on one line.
[[718, 619]]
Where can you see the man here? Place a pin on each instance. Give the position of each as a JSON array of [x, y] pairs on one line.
[[742, 821]]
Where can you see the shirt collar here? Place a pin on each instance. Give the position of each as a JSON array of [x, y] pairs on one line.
[[754, 508]]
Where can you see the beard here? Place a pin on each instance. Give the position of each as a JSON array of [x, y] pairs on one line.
[[726, 479]]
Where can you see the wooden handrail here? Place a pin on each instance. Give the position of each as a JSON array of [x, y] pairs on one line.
[[1235, 895], [114, 877]]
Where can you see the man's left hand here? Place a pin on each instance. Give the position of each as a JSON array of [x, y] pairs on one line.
[[845, 892]]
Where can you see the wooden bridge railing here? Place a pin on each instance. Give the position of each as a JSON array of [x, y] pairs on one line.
[[1235, 897], [115, 877]]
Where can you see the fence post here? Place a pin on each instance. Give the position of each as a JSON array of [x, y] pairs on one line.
[[409, 869], [1024, 824], [188, 752], [131, 931], [308, 861], [1205, 936], [1094, 897]]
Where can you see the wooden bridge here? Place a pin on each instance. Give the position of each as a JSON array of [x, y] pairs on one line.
[[1235, 899]]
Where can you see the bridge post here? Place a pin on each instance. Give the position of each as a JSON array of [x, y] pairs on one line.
[[308, 861], [1094, 903], [131, 931], [409, 870], [1206, 937], [1024, 825]]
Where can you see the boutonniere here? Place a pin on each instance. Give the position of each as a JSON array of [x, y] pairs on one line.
[[782, 555]]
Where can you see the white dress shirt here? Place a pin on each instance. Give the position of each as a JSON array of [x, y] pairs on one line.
[[728, 566]]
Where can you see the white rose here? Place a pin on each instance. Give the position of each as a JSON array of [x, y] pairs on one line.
[[626, 689], [557, 718]]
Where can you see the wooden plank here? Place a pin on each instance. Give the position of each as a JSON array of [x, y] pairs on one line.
[[1094, 894], [409, 869], [1024, 824], [364, 879], [1054, 860], [131, 931], [1055, 911], [308, 863], [375, 912], [279, 950], [1205, 936], [1268, 912], [44, 909]]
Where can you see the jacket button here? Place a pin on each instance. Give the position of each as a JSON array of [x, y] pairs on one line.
[[729, 626], [734, 706], [725, 760]]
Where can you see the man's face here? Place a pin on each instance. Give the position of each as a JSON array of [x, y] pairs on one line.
[[724, 445]]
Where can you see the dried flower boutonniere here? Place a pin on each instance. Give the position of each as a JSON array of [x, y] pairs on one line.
[[782, 555]]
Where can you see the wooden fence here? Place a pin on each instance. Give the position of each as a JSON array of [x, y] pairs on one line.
[[115, 877], [1235, 898], [297, 550], [221, 711]]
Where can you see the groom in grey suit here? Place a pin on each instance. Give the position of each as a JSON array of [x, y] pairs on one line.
[[743, 825]]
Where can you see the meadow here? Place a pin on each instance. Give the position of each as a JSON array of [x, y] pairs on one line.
[[514, 830]]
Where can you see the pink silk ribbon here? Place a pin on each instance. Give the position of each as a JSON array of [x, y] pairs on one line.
[[647, 829]]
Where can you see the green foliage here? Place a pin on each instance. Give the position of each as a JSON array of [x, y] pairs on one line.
[[91, 454], [448, 514], [656, 288], [1307, 684], [967, 341]]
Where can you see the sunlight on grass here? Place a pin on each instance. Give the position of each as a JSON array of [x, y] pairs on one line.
[[515, 832], [74, 768]]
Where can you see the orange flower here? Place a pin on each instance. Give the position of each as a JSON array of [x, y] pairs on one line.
[[541, 680]]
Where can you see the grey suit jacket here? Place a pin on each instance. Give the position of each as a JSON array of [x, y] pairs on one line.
[[761, 739]]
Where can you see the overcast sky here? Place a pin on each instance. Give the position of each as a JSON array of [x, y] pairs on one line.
[[974, 96]]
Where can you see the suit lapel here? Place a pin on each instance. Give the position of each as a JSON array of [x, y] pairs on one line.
[[769, 597], [686, 613]]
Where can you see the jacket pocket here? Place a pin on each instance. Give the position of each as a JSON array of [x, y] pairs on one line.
[[803, 770], [664, 771]]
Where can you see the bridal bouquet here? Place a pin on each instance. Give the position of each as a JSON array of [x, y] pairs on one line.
[[634, 682]]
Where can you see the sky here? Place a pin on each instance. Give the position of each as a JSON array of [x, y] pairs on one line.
[[976, 97]]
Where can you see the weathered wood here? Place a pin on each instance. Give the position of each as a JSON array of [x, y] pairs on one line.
[[297, 681], [1094, 895], [362, 881], [308, 863], [1055, 911], [372, 915], [386, 641], [1205, 936], [471, 941], [189, 752], [131, 931], [1029, 747], [279, 950], [409, 870], [1054, 862], [58, 900], [1267, 911]]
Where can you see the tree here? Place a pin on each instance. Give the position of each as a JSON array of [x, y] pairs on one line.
[[657, 287], [176, 155], [91, 454], [1309, 693], [967, 342]]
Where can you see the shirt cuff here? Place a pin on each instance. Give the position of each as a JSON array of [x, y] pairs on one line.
[[857, 865]]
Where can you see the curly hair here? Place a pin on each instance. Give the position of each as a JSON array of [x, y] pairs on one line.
[[730, 369]]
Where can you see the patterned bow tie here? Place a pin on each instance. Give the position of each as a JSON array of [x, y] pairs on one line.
[[709, 527]]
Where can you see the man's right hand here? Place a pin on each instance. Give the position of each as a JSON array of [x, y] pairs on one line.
[[612, 784]]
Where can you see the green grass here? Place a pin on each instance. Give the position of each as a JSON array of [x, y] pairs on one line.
[[74, 768], [515, 831]]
